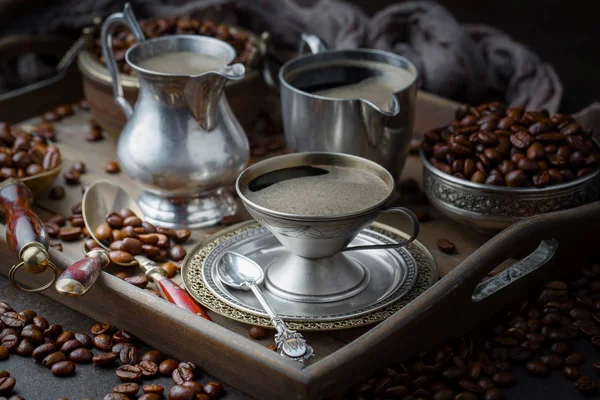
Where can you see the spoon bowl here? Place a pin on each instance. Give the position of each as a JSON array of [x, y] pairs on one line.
[[100, 199], [236, 270]]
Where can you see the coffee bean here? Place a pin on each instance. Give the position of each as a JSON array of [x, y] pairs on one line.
[[519, 353], [537, 368], [129, 388], [170, 269], [100, 329], [177, 253], [71, 345], [214, 389], [149, 368], [7, 385], [575, 359], [120, 257], [72, 177], [586, 385], [103, 342], [81, 356], [103, 232], [257, 332], [179, 392], [129, 373], [132, 246], [85, 340], [446, 246], [64, 337], [3, 353], [152, 396], [167, 367], [120, 346], [156, 356], [53, 358], [129, 355], [571, 373], [13, 320], [515, 178], [504, 379], [63, 368], [493, 394], [153, 389], [122, 336], [53, 331], [33, 333], [560, 348], [112, 167], [181, 235], [139, 281], [553, 361], [182, 374], [105, 360], [10, 342], [69, 234]]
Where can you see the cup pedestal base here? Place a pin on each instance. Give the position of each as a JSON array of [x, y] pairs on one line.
[[190, 212], [320, 280]]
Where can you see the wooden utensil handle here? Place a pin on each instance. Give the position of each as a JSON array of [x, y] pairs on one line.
[[78, 278], [22, 225], [178, 296]]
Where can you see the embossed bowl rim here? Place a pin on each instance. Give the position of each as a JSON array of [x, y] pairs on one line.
[[304, 159], [505, 190]]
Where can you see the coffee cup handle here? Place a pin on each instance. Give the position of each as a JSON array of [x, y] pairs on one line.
[[128, 19], [415, 232]]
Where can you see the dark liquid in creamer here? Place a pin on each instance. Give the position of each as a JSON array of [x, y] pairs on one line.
[[354, 79], [317, 190]]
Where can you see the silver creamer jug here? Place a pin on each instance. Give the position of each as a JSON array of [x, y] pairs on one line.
[[181, 142]]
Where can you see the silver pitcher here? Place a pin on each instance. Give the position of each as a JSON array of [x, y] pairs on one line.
[[182, 142], [351, 126]]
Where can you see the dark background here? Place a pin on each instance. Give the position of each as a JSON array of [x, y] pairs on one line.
[[564, 33]]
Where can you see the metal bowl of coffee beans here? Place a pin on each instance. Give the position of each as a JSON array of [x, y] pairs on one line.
[[97, 82], [496, 165]]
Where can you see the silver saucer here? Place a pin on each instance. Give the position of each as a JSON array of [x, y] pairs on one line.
[[393, 272]]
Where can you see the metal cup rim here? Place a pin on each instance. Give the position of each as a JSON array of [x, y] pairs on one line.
[[147, 42], [305, 218], [412, 69]]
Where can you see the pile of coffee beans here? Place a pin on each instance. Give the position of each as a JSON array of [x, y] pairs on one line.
[[537, 335], [246, 47], [502, 146], [24, 154], [127, 235], [62, 351]]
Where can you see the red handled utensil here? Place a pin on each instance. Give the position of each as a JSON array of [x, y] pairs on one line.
[[99, 199], [25, 233]]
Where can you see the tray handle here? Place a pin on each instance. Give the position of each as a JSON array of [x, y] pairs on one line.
[[537, 259]]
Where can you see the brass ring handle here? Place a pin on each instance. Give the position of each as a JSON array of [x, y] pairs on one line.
[[13, 282]]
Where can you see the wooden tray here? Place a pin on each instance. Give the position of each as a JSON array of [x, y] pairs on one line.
[[343, 357]]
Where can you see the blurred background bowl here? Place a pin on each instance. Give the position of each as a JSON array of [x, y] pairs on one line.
[[489, 209]]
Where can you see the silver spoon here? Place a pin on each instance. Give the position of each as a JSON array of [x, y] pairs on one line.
[[240, 272]]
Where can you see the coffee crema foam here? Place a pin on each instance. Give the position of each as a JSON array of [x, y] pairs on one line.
[[338, 190]]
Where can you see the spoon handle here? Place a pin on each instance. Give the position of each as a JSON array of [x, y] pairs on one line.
[[290, 343], [77, 279]]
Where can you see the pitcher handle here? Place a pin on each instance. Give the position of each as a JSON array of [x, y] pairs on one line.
[[314, 43], [128, 19], [415, 232]]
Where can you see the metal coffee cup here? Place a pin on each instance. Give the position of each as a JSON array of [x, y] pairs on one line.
[[351, 126], [317, 269]]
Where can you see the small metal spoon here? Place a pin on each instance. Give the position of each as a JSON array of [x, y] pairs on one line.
[[240, 272]]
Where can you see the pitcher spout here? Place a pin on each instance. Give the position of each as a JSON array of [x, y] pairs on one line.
[[203, 92], [375, 118]]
